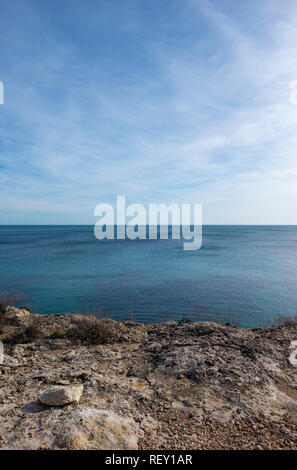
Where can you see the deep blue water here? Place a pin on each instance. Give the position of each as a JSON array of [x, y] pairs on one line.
[[245, 274]]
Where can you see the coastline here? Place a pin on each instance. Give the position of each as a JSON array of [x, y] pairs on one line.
[[175, 385]]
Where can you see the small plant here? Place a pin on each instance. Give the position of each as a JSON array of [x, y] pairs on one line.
[[91, 331], [200, 316], [11, 299], [2, 309], [197, 313], [30, 334], [185, 319], [59, 335], [5, 301], [96, 312], [131, 317], [285, 320]]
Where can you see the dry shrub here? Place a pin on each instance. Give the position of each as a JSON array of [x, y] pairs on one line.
[[96, 312], [185, 320], [91, 330], [284, 320], [28, 335], [9, 299], [12, 300], [233, 320], [92, 326]]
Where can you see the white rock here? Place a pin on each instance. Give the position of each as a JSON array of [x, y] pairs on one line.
[[71, 428], [92, 429], [1, 353], [8, 360], [59, 396], [293, 355]]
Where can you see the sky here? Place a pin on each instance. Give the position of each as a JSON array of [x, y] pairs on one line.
[[158, 100]]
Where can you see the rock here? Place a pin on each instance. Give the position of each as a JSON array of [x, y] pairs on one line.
[[293, 355], [75, 429], [14, 312], [149, 424], [16, 317], [92, 429], [59, 396], [8, 360], [199, 381], [1, 353], [154, 347]]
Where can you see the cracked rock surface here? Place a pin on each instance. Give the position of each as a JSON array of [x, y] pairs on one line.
[[153, 386]]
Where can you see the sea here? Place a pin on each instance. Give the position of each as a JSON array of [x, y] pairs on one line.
[[242, 275]]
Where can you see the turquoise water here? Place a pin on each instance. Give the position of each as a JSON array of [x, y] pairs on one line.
[[243, 274]]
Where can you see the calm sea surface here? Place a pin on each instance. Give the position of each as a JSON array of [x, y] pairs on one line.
[[244, 274]]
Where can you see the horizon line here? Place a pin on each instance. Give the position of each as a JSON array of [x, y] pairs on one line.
[[93, 225]]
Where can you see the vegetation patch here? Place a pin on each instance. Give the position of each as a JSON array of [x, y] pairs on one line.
[[91, 331], [28, 335]]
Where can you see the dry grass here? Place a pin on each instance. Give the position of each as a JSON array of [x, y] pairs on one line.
[[90, 330], [96, 312], [9, 299]]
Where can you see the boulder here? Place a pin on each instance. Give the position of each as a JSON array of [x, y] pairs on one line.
[[59, 396]]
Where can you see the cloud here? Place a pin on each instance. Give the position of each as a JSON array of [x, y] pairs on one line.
[[199, 115]]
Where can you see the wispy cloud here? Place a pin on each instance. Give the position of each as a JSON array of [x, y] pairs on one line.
[[190, 104]]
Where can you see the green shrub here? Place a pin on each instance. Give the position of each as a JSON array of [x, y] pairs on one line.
[[59, 335]]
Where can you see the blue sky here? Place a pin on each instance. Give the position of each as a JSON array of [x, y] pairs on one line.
[[158, 100]]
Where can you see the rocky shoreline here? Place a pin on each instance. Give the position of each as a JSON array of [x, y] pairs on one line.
[[145, 386]]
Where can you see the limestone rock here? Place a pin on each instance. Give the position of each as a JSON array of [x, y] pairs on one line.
[[17, 312], [208, 386], [8, 360], [149, 424], [293, 355], [59, 396], [93, 429]]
